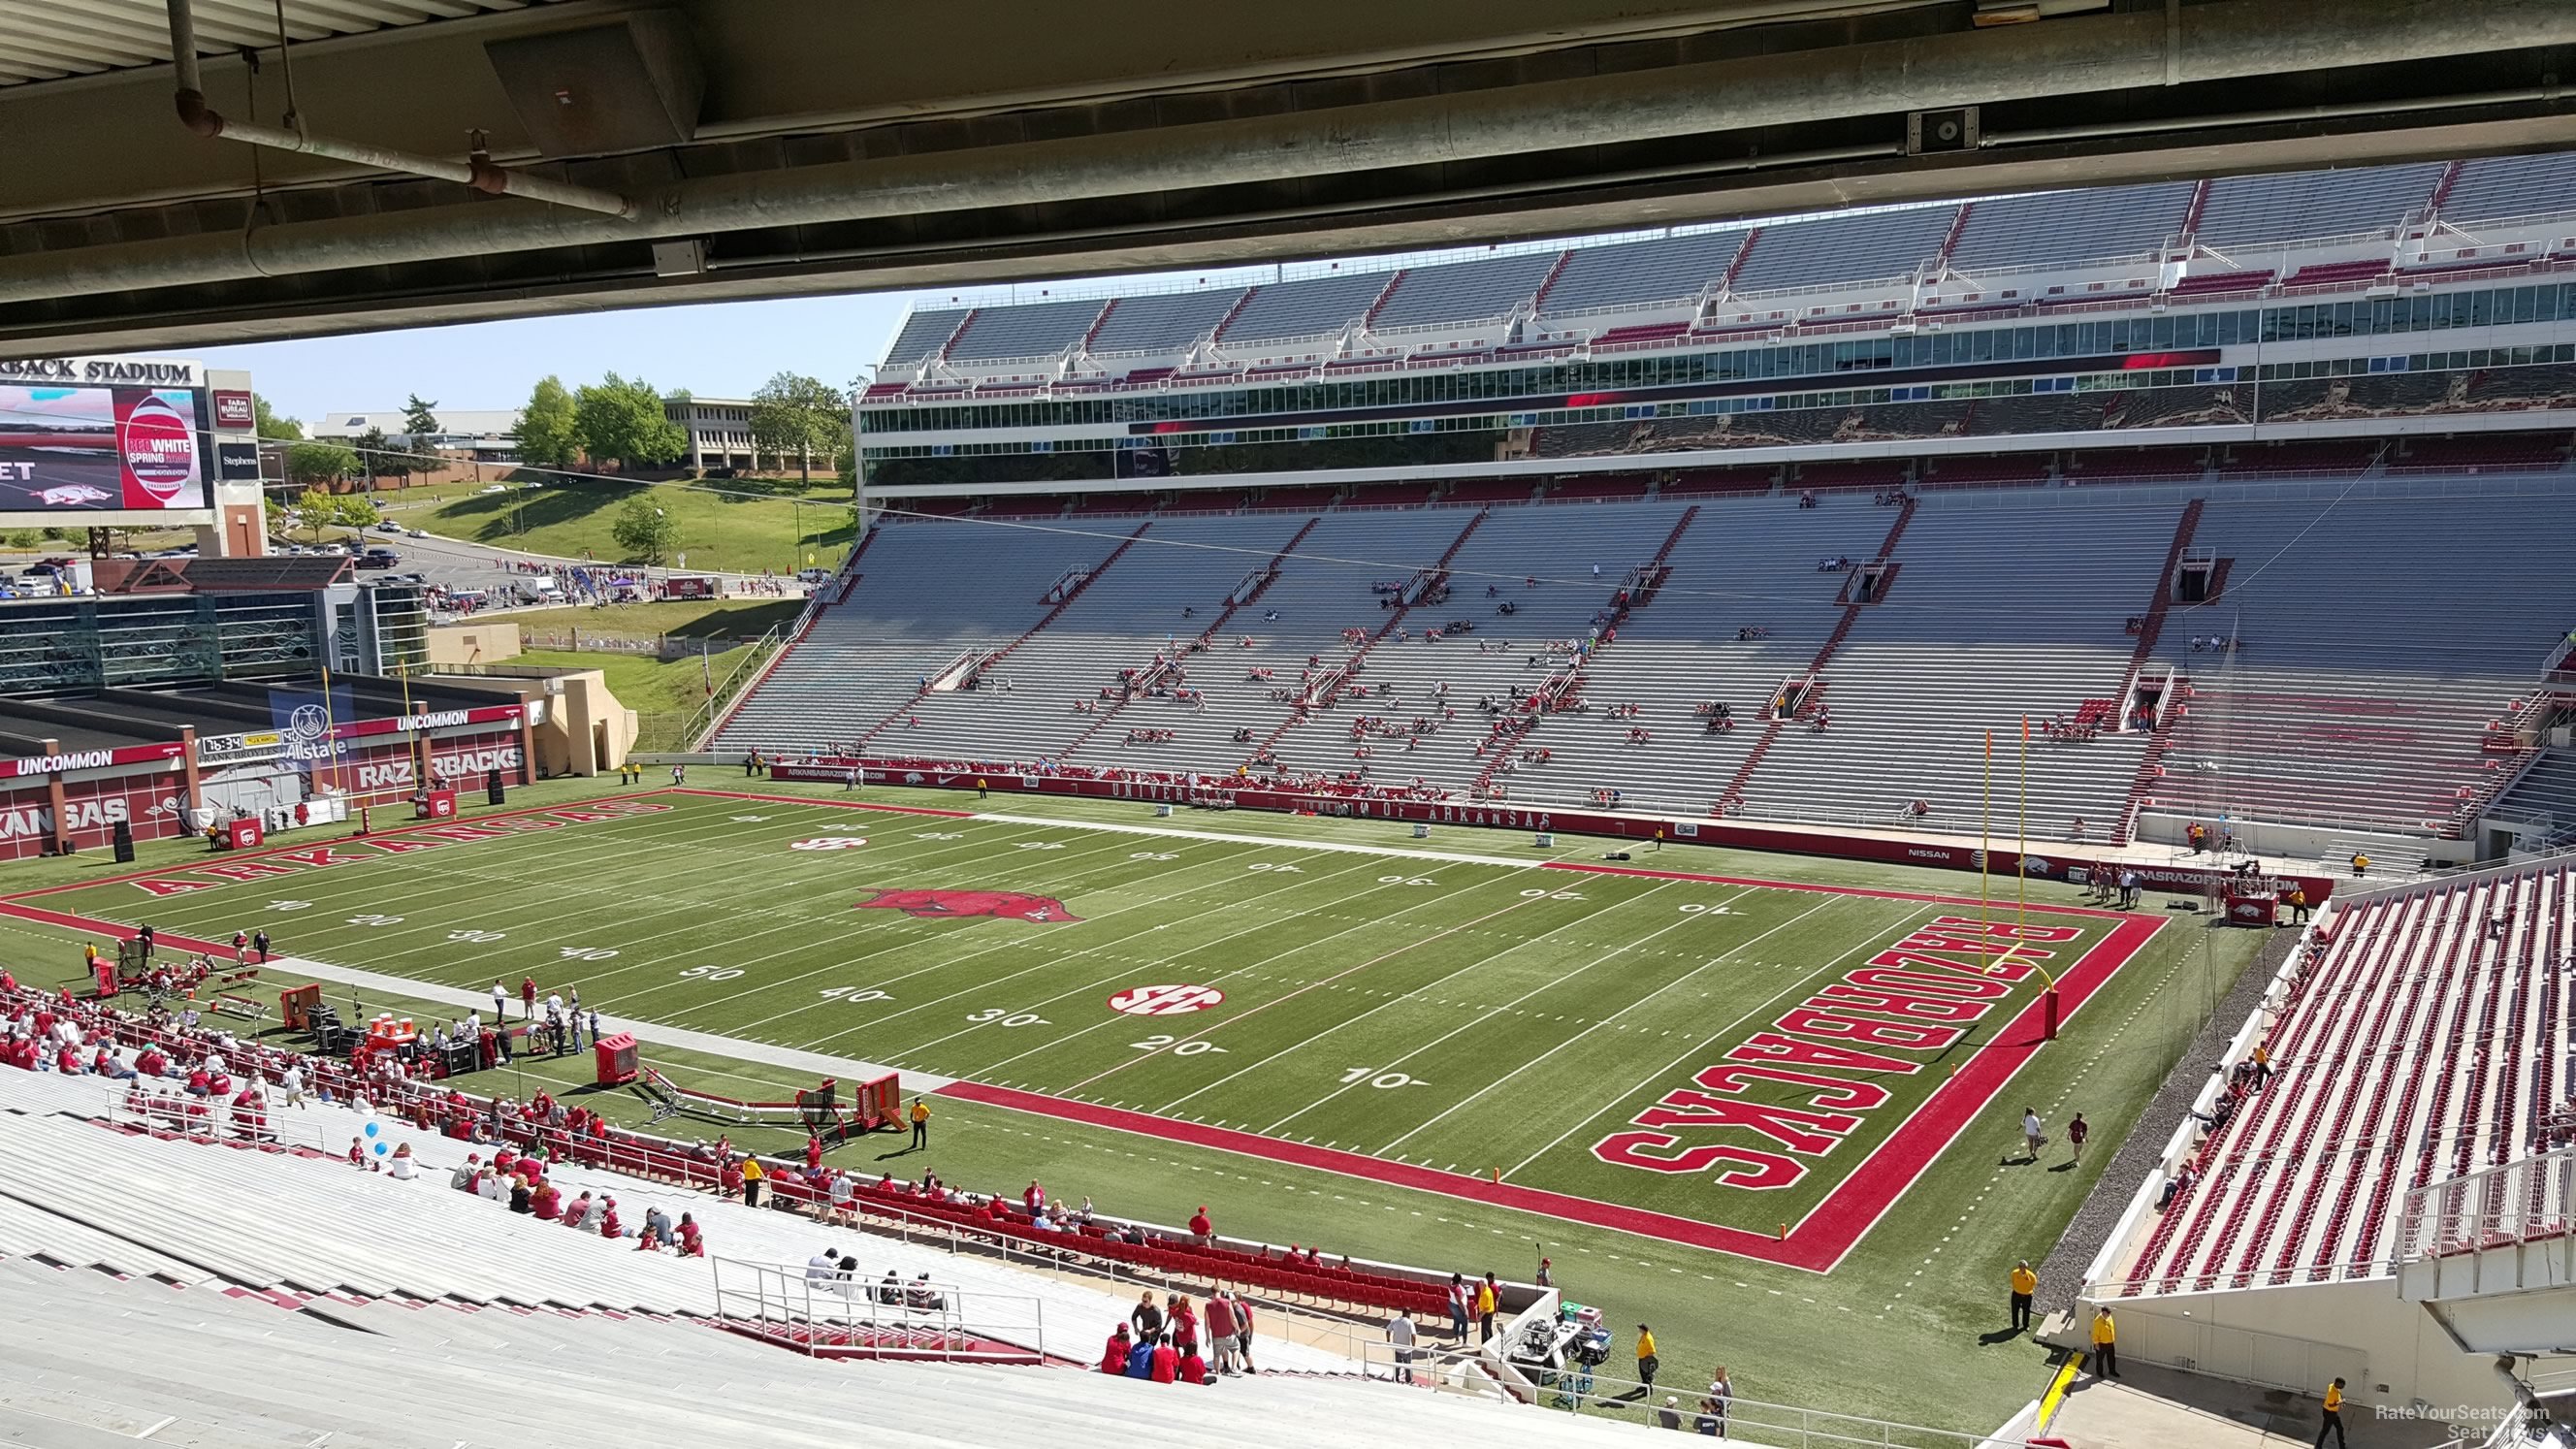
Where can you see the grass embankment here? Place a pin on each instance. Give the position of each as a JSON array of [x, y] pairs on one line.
[[734, 525]]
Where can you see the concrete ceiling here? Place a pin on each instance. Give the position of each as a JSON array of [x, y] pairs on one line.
[[823, 146]]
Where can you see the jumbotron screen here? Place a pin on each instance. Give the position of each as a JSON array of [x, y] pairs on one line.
[[67, 449]]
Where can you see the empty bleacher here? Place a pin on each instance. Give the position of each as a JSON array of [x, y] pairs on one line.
[[1127, 617], [1166, 322], [1040, 329], [2548, 789], [1968, 643], [1309, 308], [1464, 291], [2495, 188], [1629, 274], [2056, 228], [2425, 1042], [927, 591], [2251, 212], [2378, 647], [923, 334], [1858, 248]]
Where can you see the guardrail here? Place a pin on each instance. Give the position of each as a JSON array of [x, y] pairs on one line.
[[2517, 1202], [745, 670], [822, 1313]]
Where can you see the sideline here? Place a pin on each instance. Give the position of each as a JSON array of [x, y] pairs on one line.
[[847, 1069]]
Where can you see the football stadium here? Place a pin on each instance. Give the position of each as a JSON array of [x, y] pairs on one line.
[[1823, 725]]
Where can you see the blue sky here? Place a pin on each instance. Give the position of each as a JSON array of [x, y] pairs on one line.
[[723, 349]]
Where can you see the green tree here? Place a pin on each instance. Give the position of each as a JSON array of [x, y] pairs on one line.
[[645, 531], [373, 449], [266, 422], [420, 419], [26, 539], [619, 419], [310, 463], [355, 510], [803, 416], [314, 511], [549, 433]]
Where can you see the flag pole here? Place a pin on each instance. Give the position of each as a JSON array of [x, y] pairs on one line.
[[1986, 840], [2021, 905]]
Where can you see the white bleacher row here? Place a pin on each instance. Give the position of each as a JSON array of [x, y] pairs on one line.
[[206, 1369], [926, 593], [2422, 1045], [1735, 568], [2242, 217], [2377, 649], [2547, 788], [365, 1233], [1995, 616], [1582, 554], [2380, 637], [1130, 614]]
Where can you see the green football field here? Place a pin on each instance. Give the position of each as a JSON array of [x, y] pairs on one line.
[[1465, 1031]]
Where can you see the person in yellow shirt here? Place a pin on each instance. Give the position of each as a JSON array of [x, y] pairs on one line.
[[752, 1173], [2024, 1284], [920, 1124], [1647, 1363], [2334, 1417], [2106, 1345], [1486, 1303]]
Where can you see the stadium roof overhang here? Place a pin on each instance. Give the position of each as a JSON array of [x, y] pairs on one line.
[[780, 147]]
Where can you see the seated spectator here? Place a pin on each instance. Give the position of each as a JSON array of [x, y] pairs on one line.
[[521, 1200], [1192, 1369], [1140, 1359], [1113, 1357], [691, 1244], [402, 1168], [1165, 1367]]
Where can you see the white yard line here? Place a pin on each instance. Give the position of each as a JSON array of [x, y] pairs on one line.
[[1389, 851], [848, 1069], [1666, 1070]]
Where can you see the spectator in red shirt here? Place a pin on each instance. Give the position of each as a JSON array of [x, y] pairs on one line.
[[545, 1202], [528, 997], [1167, 1363], [1113, 1359], [1034, 1198], [1200, 1228], [691, 1245], [152, 1063], [813, 1153], [609, 1227]]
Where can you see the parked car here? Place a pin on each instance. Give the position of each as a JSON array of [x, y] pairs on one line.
[[414, 533], [379, 558], [389, 526]]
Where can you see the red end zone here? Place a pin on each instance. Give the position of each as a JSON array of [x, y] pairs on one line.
[[1816, 1242]]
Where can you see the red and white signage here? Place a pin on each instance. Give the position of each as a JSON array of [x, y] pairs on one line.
[[1165, 1000]]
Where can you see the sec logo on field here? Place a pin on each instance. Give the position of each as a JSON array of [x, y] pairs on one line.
[[1165, 1000], [829, 842]]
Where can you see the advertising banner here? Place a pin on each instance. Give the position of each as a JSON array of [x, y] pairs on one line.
[[66, 449]]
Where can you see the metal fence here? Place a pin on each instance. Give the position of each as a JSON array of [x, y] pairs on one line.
[[2518, 1202], [818, 1312]]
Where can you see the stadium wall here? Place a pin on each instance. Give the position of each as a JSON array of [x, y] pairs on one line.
[[1886, 849]]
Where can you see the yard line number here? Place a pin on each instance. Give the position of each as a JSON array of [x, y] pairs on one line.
[[1383, 1081], [1191, 1048], [709, 973], [1003, 1016]]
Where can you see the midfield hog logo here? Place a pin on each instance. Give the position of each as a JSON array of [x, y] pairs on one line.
[[1011, 905]]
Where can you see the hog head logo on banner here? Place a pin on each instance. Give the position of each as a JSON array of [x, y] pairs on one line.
[[935, 905]]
